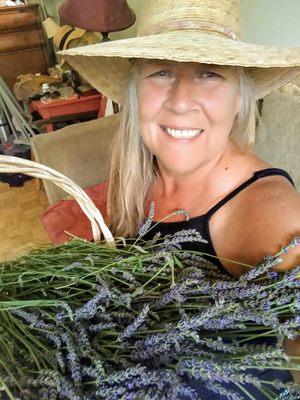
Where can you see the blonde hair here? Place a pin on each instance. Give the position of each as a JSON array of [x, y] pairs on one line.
[[244, 128], [133, 167], [131, 171]]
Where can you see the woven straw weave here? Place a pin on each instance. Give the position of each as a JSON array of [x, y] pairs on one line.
[[203, 31]]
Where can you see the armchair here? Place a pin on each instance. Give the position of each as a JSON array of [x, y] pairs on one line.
[[80, 151]]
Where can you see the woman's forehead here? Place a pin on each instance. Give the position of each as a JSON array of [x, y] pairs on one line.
[[177, 64]]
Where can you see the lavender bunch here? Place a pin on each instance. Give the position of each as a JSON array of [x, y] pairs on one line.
[[84, 321]]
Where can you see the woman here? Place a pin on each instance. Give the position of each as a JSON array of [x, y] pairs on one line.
[[186, 159], [187, 125]]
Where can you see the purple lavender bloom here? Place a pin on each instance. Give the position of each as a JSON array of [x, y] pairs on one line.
[[248, 291], [34, 319], [129, 331], [74, 265], [60, 360], [172, 242], [66, 314], [83, 339], [101, 326], [72, 358], [263, 268], [293, 243], [143, 229], [215, 371], [290, 328], [176, 293], [188, 392], [221, 390], [66, 389], [273, 275], [90, 309]]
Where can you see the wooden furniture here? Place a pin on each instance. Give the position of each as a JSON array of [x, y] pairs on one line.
[[22, 44], [73, 106]]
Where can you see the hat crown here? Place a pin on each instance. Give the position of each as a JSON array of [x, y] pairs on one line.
[[221, 16]]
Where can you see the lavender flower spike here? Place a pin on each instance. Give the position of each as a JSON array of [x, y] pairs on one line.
[[129, 331]]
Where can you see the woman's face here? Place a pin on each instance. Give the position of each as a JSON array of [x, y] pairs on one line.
[[186, 112]]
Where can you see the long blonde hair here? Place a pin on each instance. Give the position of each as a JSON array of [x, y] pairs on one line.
[[133, 167], [131, 171]]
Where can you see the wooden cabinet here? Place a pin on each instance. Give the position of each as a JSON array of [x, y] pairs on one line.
[[22, 44]]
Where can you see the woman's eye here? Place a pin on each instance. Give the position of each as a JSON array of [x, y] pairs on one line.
[[210, 75], [161, 74]]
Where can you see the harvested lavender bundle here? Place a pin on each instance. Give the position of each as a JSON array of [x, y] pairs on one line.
[[90, 321]]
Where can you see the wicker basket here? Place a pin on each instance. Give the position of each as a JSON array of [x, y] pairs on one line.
[[10, 164]]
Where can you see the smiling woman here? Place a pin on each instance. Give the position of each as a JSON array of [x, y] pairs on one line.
[[187, 125], [188, 85], [188, 115]]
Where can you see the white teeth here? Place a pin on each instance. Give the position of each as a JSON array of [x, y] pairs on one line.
[[183, 133]]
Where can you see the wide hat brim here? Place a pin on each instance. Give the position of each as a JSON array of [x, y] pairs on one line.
[[106, 66]]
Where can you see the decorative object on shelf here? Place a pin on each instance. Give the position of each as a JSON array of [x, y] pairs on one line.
[[97, 15], [51, 27], [10, 3], [66, 36], [30, 85]]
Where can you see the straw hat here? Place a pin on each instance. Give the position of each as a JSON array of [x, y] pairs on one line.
[[51, 27], [65, 35], [203, 31]]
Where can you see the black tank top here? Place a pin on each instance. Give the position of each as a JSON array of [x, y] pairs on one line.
[[201, 223]]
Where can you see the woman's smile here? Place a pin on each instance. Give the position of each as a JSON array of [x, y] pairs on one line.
[[182, 133]]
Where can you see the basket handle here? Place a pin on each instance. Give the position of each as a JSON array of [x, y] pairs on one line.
[[9, 164]]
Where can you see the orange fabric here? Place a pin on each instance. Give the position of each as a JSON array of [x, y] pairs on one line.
[[66, 215]]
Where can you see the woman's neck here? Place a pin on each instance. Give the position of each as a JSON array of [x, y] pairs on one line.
[[199, 191], [169, 183]]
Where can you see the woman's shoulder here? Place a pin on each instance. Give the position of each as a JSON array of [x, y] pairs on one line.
[[265, 218], [272, 213], [271, 195], [262, 218], [268, 185]]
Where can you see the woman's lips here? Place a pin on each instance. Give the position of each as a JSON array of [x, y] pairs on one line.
[[182, 133]]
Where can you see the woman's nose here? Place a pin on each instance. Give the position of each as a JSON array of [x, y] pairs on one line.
[[181, 97]]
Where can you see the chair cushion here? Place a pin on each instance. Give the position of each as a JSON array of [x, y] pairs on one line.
[[278, 136]]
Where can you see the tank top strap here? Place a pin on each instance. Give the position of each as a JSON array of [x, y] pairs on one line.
[[257, 175]]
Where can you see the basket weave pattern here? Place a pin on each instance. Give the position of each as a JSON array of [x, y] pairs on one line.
[[10, 164]]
